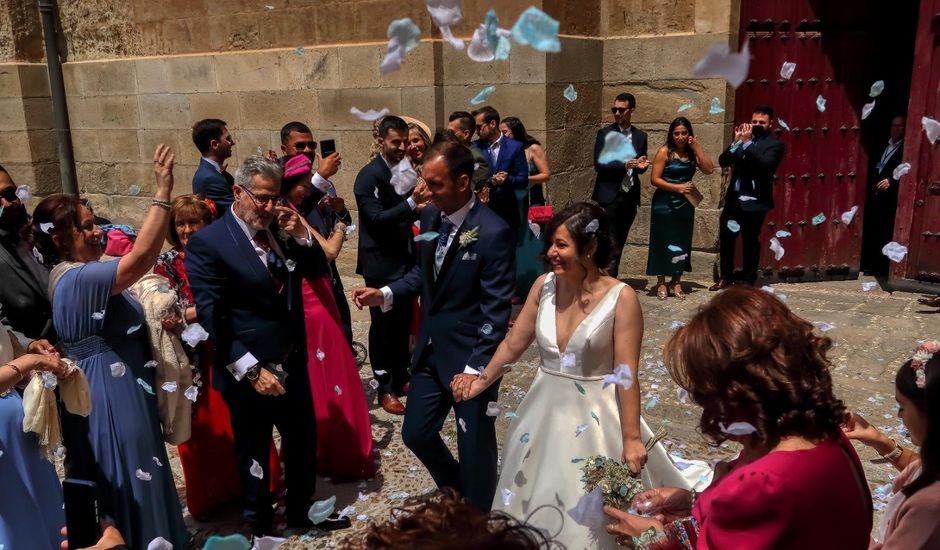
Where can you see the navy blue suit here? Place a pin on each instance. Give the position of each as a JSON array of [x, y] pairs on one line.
[[465, 315], [211, 184], [512, 161], [244, 310]]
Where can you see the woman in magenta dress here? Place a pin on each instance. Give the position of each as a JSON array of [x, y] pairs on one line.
[[208, 457], [762, 379], [344, 430]]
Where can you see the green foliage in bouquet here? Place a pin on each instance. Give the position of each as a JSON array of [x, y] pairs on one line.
[[617, 482]]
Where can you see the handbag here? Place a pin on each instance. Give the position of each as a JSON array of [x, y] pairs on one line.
[[540, 214], [694, 196]]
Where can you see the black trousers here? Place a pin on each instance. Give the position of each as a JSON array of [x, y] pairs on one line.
[[388, 342], [751, 224], [622, 213], [253, 418]]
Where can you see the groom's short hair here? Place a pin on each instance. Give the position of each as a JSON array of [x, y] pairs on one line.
[[458, 158]]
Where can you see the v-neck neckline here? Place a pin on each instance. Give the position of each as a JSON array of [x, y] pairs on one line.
[[580, 323]]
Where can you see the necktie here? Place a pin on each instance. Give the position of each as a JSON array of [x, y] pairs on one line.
[[445, 229], [271, 259]]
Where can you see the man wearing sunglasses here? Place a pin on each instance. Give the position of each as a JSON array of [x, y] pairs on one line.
[[215, 144], [617, 187], [23, 297]]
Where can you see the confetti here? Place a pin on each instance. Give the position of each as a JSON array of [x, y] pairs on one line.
[[150, 364], [118, 369], [481, 97], [821, 104], [191, 393], [374, 384], [507, 496], [819, 219], [786, 70], [567, 360], [867, 109], [510, 415], [651, 404], [404, 177], [869, 286], [676, 325], [674, 248], [715, 108], [493, 409], [684, 107], [622, 376], [719, 62], [876, 88], [463, 425], [320, 354], [823, 326], [536, 229], [145, 386], [537, 29], [617, 148], [524, 438], [737, 428], [159, 543], [371, 115], [894, 251], [679, 258], [776, 248], [589, 511], [733, 226], [783, 234], [338, 390], [486, 329], [596, 418], [932, 128], [445, 14], [570, 93], [901, 170], [580, 429], [46, 227], [848, 216], [580, 388], [133, 329], [427, 236], [133, 190], [403, 36], [256, 470], [783, 124], [321, 510], [142, 475], [347, 511], [768, 289], [193, 334], [682, 394], [350, 229], [291, 265], [168, 387], [25, 193], [400, 495]]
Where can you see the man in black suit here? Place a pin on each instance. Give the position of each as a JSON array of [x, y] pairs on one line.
[[23, 294], [246, 280], [386, 253], [211, 180], [881, 200], [753, 157], [617, 187], [465, 278], [508, 168]]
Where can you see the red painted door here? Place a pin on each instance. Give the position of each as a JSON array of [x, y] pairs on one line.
[[823, 174], [918, 218]]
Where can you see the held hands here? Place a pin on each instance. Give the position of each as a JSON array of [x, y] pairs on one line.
[[367, 297], [39, 362], [163, 159], [289, 221], [634, 454], [267, 383], [328, 166], [467, 386]]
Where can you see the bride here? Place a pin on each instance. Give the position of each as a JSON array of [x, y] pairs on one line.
[[586, 324]]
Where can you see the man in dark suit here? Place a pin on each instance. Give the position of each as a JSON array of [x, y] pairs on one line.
[[463, 126], [23, 294], [246, 281], [617, 187], [386, 253], [753, 157], [465, 279], [211, 180], [508, 168], [881, 200]]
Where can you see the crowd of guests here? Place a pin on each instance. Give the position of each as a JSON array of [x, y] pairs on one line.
[[242, 325]]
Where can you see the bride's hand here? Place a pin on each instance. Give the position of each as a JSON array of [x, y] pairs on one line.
[[634, 454], [467, 386]]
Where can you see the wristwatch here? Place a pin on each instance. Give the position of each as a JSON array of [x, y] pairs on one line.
[[253, 372]]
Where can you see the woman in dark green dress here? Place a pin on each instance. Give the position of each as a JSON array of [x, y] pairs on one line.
[[672, 215]]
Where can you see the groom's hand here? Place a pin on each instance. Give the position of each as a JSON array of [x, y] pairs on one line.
[[467, 386], [367, 297]]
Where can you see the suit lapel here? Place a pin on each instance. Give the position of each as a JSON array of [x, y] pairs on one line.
[[245, 247], [17, 267]]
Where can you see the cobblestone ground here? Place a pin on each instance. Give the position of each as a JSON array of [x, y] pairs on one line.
[[874, 332]]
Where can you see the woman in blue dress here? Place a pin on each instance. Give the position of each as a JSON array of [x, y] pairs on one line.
[[672, 215], [31, 508], [119, 445]]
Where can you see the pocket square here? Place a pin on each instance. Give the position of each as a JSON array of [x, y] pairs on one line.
[[469, 256]]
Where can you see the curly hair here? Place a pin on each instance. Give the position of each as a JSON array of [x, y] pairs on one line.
[[446, 522], [576, 218], [745, 357]]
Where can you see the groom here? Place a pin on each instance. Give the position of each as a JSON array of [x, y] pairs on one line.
[[465, 274]]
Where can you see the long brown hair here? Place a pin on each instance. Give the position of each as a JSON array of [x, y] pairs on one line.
[[64, 213]]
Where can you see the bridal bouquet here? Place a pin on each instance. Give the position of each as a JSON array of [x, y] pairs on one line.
[[617, 482]]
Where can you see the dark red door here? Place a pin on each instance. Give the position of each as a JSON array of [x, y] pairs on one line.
[[918, 219], [823, 174]]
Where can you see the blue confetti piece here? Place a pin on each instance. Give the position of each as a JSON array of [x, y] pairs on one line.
[[674, 248], [510, 415], [537, 29], [133, 190], [229, 542], [570, 93], [524, 438], [733, 226], [877, 88], [652, 403], [821, 104], [783, 234], [684, 107], [576, 460], [594, 416], [783, 124], [715, 108], [580, 388], [481, 97], [429, 236], [818, 219], [617, 148], [133, 329], [145, 386]]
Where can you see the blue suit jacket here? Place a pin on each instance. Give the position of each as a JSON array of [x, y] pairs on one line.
[[209, 183], [474, 289], [512, 161], [237, 300]]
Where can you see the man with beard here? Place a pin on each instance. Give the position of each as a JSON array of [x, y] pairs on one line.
[[211, 181], [386, 253], [23, 294]]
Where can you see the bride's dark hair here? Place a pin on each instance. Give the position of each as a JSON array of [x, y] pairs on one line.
[[578, 219]]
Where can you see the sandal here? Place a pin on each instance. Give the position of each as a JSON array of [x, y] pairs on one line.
[[677, 291], [662, 291]]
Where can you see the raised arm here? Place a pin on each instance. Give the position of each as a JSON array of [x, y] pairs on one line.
[[702, 160], [143, 256], [628, 333]]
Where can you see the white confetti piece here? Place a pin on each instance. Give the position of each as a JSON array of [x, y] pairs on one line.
[[320, 354], [193, 334], [823, 326], [371, 115], [768, 289], [404, 177], [256, 470], [24, 193], [338, 390], [876, 88], [715, 108], [403, 36], [291, 265], [191, 393], [622, 376], [617, 148], [363, 497], [719, 62], [46, 227], [867, 109], [350, 229], [486, 329], [159, 543], [507, 496], [869, 286], [894, 251], [362, 517], [142, 475], [737, 428], [168, 387], [786, 70], [463, 425], [157, 462], [679, 258], [374, 384], [776, 248], [580, 429], [567, 360], [848, 216], [347, 511], [932, 129], [536, 229], [682, 394], [118, 369], [150, 364], [493, 409], [901, 170], [676, 325]]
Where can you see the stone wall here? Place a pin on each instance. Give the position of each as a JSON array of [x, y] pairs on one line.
[[258, 68]]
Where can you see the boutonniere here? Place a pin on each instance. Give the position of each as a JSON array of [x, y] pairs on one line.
[[470, 236]]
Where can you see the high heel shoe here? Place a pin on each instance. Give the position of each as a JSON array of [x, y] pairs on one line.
[[677, 290]]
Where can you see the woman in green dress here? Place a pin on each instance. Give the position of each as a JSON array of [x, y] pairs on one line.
[[672, 215]]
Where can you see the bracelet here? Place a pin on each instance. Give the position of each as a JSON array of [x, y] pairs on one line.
[[162, 204], [892, 456], [17, 369]]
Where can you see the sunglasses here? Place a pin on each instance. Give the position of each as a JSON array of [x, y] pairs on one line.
[[9, 194], [300, 145], [618, 110], [264, 199]]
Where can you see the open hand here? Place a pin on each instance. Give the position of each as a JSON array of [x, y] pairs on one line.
[[642, 163], [267, 383], [367, 297], [163, 159], [484, 195], [110, 538]]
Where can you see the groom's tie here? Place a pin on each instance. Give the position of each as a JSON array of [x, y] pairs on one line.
[[444, 234]]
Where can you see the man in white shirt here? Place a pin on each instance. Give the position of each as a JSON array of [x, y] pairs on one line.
[[211, 181], [881, 199]]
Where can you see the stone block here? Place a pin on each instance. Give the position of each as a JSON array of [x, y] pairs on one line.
[[642, 17], [561, 113], [96, 177], [10, 80], [425, 103], [576, 18], [147, 141], [247, 143], [70, 80], [12, 116], [270, 110], [189, 74], [335, 104], [187, 154], [179, 36], [359, 67], [151, 75], [239, 72], [104, 112], [338, 22], [118, 145], [34, 80], [580, 60], [214, 105], [354, 146], [226, 32], [107, 78], [147, 11], [313, 69], [655, 57], [128, 210], [170, 111], [459, 69], [85, 145], [285, 26], [659, 100], [38, 112], [42, 145], [183, 184], [136, 173], [344, 181], [716, 16], [527, 66], [14, 147]]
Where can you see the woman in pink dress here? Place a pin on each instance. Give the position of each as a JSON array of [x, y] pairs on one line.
[[344, 430], [762, 379]]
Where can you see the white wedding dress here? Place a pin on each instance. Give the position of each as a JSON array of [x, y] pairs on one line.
[[541, 442]]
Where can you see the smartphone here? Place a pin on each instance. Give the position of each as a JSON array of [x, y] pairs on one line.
[[327, 147], [81, 513]]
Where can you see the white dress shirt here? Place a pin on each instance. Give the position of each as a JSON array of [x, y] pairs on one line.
[[627, 183], [889, 150], [213, 163], [495, 146]]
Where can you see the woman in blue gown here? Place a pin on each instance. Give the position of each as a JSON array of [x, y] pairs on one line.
[[31, 507], [119, 445]]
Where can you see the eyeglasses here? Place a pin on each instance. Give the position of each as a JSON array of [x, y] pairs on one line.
[[301, 145], [618, 110], [9, 194], [264, 199]]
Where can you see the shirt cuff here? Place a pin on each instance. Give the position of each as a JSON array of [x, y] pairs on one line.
[[388, 297], [240, 367], [467, 369], [411, 203], [747, 144], [322, 184]]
